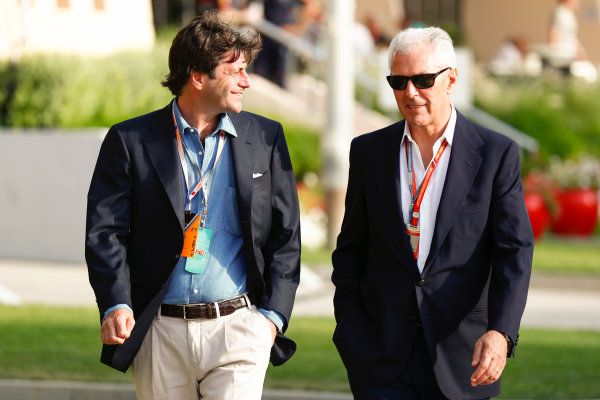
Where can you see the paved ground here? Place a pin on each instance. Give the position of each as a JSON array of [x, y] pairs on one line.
[[554, 302], [50, 390]]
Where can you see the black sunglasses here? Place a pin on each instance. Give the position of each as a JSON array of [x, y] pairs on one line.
[[421, 81]]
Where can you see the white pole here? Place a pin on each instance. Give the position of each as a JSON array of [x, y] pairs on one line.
[[18, 47], [340, 111]]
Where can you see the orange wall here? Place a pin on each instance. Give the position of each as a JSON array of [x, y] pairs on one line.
[[489, 22], [388, 13]]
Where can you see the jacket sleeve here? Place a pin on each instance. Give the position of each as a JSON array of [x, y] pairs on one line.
[[512, 250], [282, 249], [108, 223], [349, 257]]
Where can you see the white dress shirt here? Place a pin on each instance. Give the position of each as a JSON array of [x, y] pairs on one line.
[[433, 194]]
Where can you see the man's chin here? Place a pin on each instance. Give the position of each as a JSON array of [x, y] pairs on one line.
[[236, 109]]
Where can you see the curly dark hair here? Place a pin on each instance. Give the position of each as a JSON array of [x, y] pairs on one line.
[[202, 45]]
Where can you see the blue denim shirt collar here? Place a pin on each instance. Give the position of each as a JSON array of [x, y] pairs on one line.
[[224, 122]]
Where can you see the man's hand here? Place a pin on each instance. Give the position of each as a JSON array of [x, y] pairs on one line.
[[489, 357], [117, 326], [273, 331]]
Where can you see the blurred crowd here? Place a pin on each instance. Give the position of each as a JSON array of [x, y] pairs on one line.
[[563, 52], [305, 19]]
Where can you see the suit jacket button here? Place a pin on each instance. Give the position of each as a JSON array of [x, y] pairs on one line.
[[420, 282], [177, 256]]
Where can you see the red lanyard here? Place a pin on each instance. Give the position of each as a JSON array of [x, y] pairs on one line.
[[204, 178], [417, 195]]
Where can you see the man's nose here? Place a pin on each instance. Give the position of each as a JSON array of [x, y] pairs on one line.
[[411, 90], [245, 80]]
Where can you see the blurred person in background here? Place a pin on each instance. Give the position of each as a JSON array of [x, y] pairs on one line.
[[564, 30], [509, 58], [432, 264], [294, 16], [193, 232], [381, 39]]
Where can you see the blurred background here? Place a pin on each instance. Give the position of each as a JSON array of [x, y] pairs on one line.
[[69, 69]]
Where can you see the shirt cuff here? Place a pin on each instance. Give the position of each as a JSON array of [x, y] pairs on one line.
[[113, 308], [274, 317]]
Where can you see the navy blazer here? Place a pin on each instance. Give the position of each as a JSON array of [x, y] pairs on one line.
[[135, 221], [476, 276]]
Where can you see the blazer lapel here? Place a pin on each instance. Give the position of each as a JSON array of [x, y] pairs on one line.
[[462, 169], [389, 184], [242, 153], [161, 146]]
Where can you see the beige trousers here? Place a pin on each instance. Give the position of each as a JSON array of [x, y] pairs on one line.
[[222, 358]]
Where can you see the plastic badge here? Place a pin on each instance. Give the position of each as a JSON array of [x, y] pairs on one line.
[[191, 235], [197, 263]]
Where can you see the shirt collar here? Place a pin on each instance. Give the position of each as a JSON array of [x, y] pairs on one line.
[[448, 132], [224, 124]]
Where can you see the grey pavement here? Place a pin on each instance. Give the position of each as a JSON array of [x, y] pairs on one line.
[[63, 390], [555, 301]]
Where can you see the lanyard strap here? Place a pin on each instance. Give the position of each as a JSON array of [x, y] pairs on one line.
[[204, 178], [417, 194]]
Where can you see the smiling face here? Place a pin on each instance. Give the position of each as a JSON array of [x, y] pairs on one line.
[[425, 110], [223, 92]]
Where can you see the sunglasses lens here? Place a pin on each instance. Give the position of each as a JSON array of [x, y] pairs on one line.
[[397, 82], [424, 81]]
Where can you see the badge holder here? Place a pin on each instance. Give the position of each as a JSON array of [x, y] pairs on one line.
[[414, 233], [196, 243]]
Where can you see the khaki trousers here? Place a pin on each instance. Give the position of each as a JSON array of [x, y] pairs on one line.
[[222, 358]]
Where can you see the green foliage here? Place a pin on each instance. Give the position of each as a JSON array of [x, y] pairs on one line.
[[316, 364], [166, 34], [562, 114], [305, 152], [567, 255], [552, 364], [62, 343], [552, 254], [72, 91], [457, 34], [317, 257], [32, 95]]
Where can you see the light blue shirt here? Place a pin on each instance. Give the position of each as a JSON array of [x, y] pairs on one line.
[[225, 274]]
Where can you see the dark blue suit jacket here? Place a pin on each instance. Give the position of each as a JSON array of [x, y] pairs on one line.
[[135, 221], [476, 275]]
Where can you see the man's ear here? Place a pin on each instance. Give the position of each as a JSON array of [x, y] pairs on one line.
[[197, 79], [452, 75]]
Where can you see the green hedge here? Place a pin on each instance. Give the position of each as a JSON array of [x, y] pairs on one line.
[[304, 147], [562, 114], [71, 91]]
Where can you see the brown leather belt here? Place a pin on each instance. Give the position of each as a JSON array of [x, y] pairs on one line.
[[206, 310]]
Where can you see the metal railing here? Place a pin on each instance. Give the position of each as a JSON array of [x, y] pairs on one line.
[[483, 118]]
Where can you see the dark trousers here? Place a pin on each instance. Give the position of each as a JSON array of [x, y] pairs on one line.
[[416, 382]]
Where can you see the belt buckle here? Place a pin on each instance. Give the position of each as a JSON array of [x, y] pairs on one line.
[[185, 313]]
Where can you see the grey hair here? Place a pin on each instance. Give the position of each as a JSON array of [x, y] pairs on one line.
[[409, 39]]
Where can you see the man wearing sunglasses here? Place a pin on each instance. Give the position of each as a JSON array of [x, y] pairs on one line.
[[433, 260]]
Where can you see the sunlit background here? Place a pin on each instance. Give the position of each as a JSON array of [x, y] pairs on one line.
[[69, 69]]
